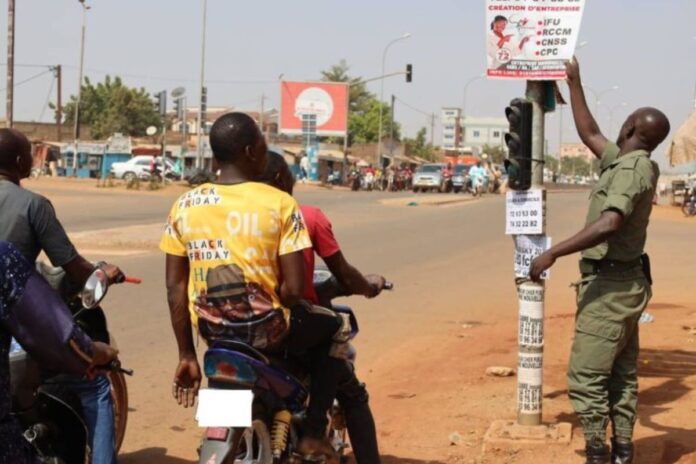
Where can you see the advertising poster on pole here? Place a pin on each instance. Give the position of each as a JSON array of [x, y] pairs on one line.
[[328, 101], [531, 39]]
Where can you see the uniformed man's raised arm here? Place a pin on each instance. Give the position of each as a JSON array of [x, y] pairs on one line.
[[588, 129]]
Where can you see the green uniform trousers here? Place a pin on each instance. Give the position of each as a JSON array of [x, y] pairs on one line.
[[602, 377]]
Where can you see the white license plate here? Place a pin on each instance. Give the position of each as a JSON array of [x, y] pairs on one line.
[[224, 408]]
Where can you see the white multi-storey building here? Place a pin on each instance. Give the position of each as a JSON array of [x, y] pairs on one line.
[[470, 134], [484, 131], [451, 129]]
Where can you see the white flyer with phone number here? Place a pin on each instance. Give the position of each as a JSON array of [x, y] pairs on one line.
[[531, 39]]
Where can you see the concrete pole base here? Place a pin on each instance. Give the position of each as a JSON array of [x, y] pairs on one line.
[[508, 434]]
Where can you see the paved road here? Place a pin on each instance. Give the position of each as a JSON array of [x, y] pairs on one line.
[[449, 264]]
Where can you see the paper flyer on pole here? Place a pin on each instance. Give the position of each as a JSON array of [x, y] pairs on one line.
[[531, 39]]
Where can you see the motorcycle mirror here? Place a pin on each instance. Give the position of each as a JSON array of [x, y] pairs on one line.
[[94, 290], [321, 276]]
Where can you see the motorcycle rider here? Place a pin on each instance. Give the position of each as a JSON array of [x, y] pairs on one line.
[[235, 238], [446, 177], [477, 174], [351, 393], [33, 313], [29, 222]]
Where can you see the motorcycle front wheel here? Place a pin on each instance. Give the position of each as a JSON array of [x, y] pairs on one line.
[[119, 395]]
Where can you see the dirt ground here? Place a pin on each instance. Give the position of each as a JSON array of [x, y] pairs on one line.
[[420, 403], [425, 371]]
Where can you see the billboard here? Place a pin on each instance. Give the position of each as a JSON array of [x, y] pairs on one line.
[[531, 39], [327, 100]]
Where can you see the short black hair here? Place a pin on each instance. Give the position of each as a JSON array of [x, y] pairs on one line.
[[231, 134], [12, 144], [496, 19], [276, 163]]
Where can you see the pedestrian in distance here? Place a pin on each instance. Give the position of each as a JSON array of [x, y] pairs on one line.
[[615, 284]]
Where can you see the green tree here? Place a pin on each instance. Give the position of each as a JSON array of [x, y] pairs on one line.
[[363, 119], [420, 147], [575, 165], [551, 163], [495, 153], [110, 107]]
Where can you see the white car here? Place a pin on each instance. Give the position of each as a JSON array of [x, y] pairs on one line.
[[137, 166]]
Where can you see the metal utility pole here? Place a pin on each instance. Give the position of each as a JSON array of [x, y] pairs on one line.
[[432, 130], [381, 93], [262, 117], [59, 102], [9, 114], [531, 294], [79, 86], [391, 129], [199, 130]]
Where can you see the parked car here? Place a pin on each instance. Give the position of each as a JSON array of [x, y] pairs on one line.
[[460, 179], [138, 166], [428, 177]]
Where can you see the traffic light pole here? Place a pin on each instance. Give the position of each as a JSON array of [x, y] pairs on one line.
[[531, 295]]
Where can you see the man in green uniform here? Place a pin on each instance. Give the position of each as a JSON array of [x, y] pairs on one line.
[[616, 285]]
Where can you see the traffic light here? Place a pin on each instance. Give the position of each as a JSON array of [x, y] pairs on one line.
[[179, 109], [161, 102], [519, 143], [204, 108], [409, 72]]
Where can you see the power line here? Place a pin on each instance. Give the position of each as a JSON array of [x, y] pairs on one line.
[[154, 78], [17, 84], [48, 99], [413, 108]]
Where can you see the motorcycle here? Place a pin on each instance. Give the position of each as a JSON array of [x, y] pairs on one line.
[[446, 186], [280, 390], [48, 411], [689, 205], [355, 180]]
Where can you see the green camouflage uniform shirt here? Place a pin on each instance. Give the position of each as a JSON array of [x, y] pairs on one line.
[[627, 185]]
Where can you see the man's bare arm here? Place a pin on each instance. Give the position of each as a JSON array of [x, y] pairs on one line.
[[351, 278], [587, 126], [292, 267], [592, 235], [177, 297]]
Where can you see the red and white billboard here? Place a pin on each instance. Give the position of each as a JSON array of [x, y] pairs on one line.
[[327, 100]]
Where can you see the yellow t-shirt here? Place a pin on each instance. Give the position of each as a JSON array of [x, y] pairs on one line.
[[233, 236]]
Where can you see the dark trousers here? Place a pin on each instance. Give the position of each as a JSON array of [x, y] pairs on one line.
[[310, 336], [353, 398]]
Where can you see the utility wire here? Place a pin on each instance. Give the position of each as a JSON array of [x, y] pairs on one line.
[[48, 99], [411, 107], [17, 84], [154, 78]]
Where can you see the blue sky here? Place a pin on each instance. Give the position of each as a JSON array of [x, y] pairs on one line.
[[647, 47]]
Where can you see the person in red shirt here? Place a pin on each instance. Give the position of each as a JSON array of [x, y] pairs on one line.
[[351, 393]]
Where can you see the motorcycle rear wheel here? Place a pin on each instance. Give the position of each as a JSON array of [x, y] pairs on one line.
[[119, 395], [253, 445]]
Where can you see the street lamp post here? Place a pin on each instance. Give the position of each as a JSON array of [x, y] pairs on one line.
[[199, 130], [463, 117], [611, 117], [79, 85], [598, 95], [381, 92]]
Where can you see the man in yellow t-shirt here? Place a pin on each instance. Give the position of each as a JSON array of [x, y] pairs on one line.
[[228, 243]]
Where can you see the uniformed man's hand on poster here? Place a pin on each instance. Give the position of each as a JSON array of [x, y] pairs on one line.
[[572, 71], [540, 264]]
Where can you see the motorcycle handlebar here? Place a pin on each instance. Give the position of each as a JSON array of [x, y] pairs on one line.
[[115, 366], [122, 278]]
